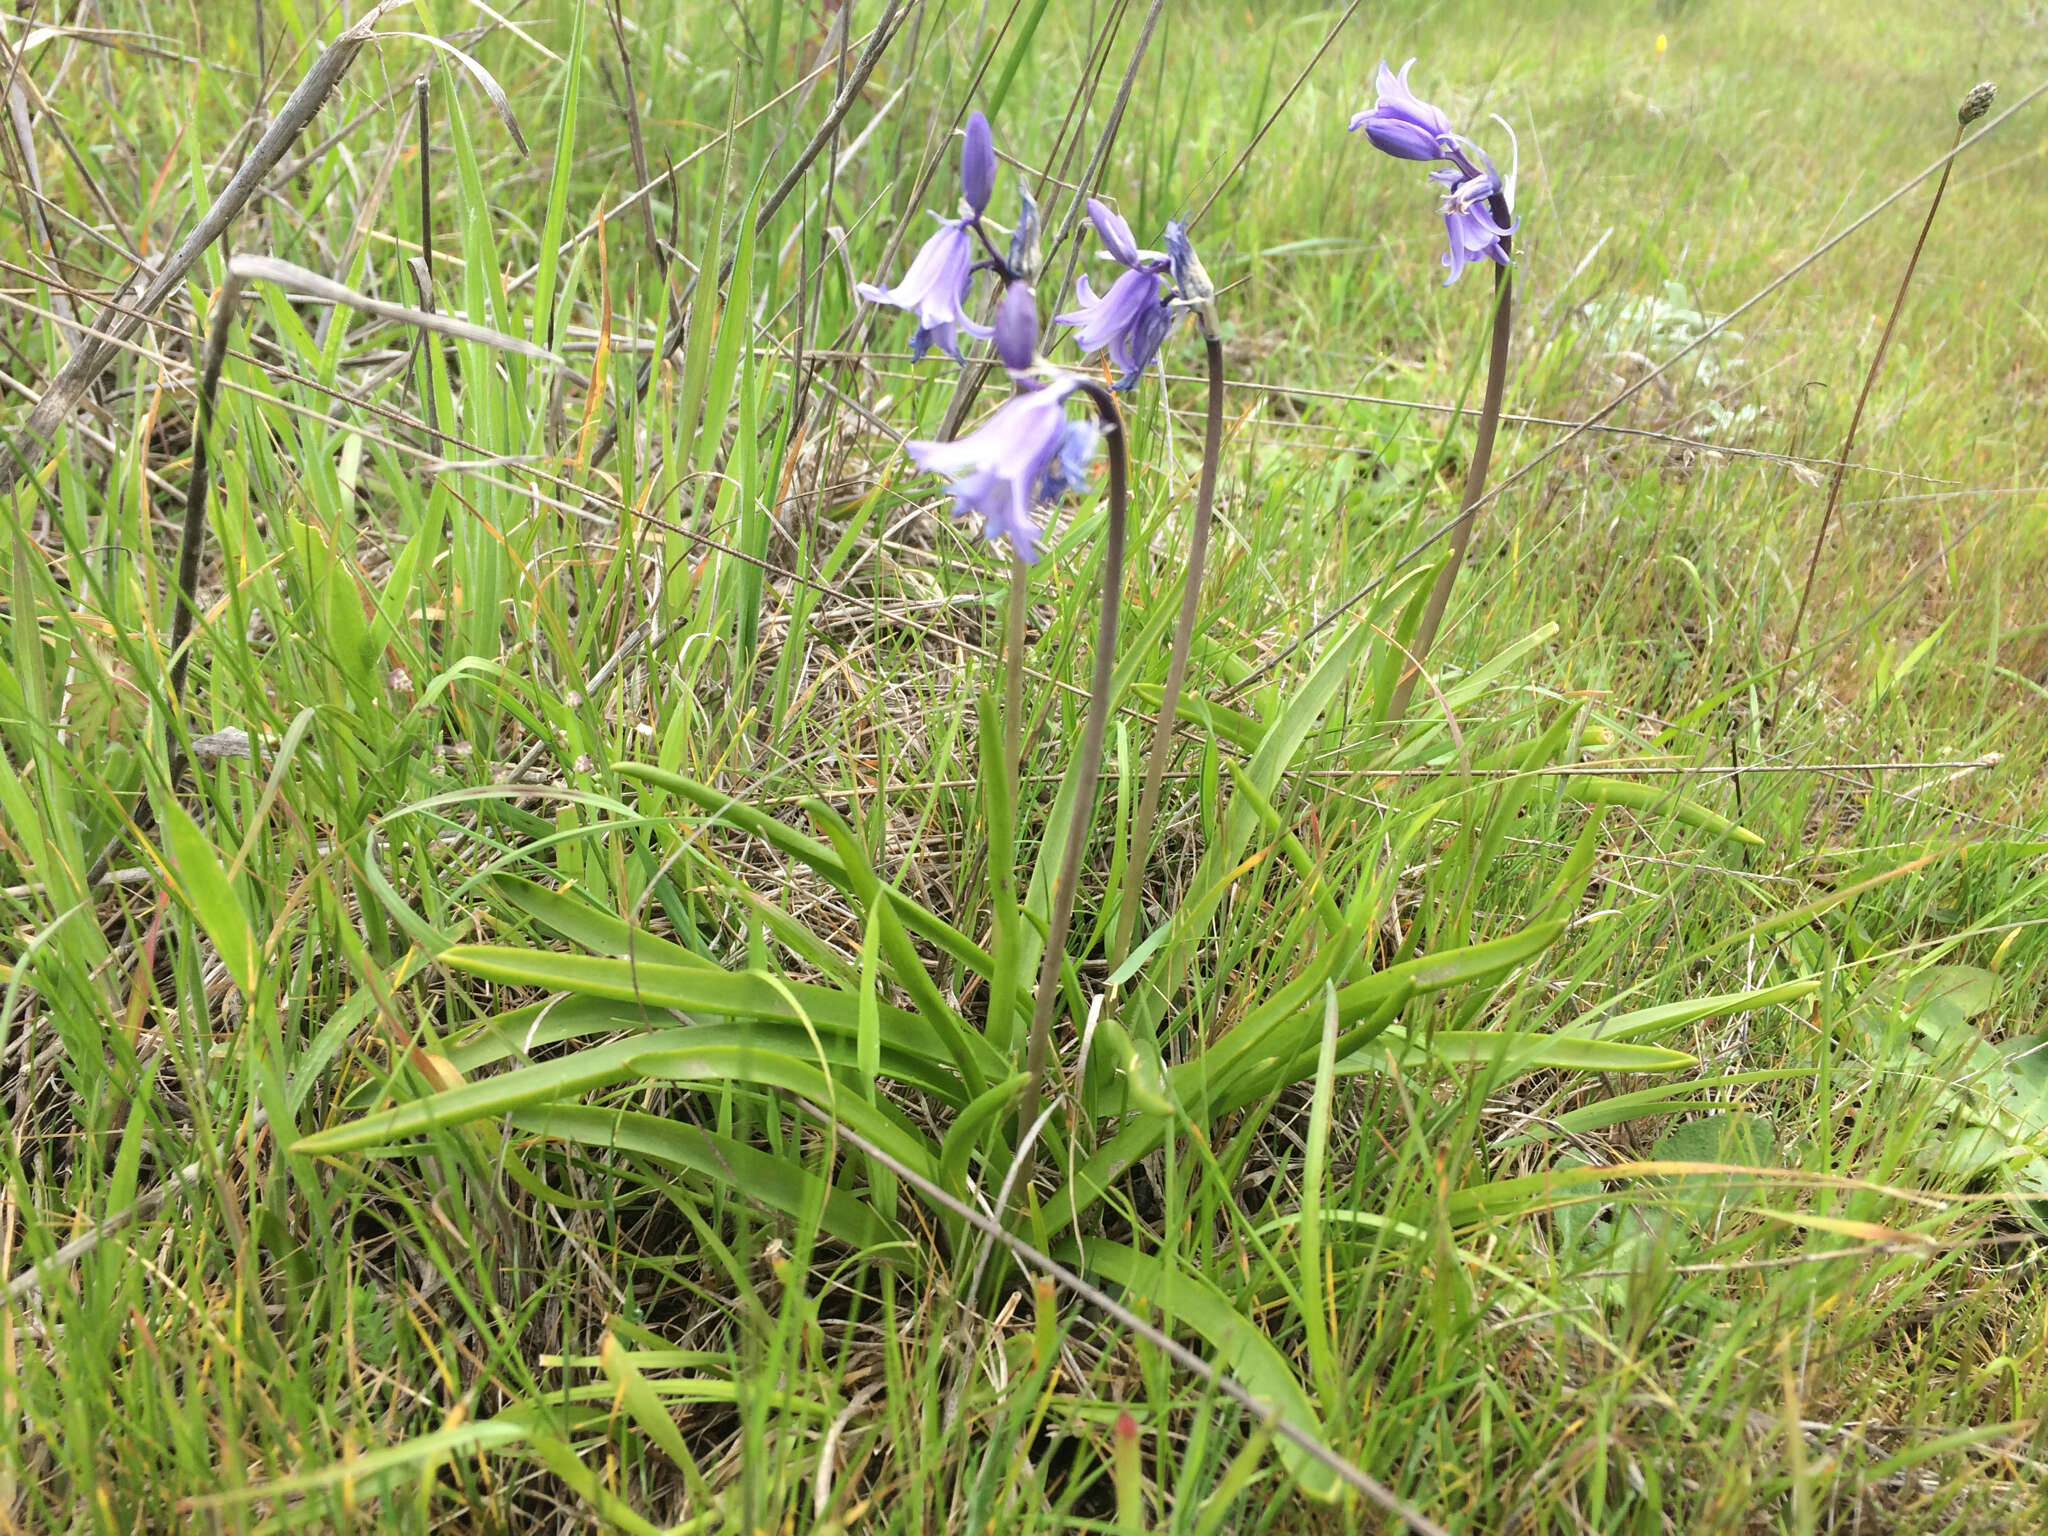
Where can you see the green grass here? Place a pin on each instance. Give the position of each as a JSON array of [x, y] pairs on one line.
[[471, 1154]]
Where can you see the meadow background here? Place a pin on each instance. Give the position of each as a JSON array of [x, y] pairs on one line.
[[1698, 1187]]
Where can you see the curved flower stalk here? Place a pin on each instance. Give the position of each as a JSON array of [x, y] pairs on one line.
[[1088, 766], [1479, 225], [936, 286], [1193, 294], [1026, 456]]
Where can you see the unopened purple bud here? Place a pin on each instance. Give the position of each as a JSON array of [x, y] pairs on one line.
[[978, 164], [1017, 327]]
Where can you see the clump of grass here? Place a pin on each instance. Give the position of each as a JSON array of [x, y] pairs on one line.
[[566, 1074]]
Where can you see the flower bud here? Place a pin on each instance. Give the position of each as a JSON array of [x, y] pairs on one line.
[[1017, 327], [1977, 103], [977, 164], [1190, 278]]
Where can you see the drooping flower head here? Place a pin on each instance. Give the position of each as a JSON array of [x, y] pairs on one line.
[[1477, 217], [1025, 456], [935, 290], [1132, 318]]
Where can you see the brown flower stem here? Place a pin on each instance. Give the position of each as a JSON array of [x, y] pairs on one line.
[[1176, 669], [1087, 770], [1475, 488], [1856, 420]]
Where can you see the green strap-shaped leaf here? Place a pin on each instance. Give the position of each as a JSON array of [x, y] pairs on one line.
[[1519, 1053], [707, 990], [676, 1055], [967, 1129], [1649, 1021], [777, 1182], [1655, 800], [811, 853]]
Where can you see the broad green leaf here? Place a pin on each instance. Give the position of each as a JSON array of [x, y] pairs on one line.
[[964, 1135], [753, 1174], [1746, 1140], [211, 895], [1239, 1347], [707, 990], [679, 1055], [371, 1472], [812, 853], [581, 923], [1649, 1021]]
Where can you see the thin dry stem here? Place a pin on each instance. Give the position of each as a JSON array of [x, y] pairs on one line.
[[1856, 420]]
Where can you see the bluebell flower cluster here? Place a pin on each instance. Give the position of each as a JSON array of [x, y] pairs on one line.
[[1131, 320], [1029, 453], [1478, 221]]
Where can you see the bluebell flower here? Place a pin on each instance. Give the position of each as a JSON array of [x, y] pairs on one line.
[[1133, 317], [1129, 322], [1115, 232], [1469, 219], [935, 290], [1402, 124], [1025, 456]]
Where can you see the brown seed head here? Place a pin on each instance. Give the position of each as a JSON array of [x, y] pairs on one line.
[[1977, 103]]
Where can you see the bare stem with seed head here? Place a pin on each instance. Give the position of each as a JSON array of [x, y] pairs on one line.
[[1973, 106], [1046, 1002]]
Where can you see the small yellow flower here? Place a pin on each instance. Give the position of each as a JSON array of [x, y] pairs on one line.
[[1662, 43]]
